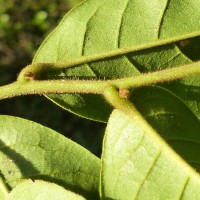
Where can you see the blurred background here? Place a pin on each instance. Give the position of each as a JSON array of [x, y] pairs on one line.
[[23, 26]]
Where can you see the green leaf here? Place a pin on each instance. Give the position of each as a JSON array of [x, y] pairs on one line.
[[29, 150], [29, 190], [137, 164], [73, 3], [191, 47], [112, 24], [172, 119], [3, 189]]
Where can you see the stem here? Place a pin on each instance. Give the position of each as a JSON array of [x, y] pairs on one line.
[[165, 75], [97, 86], [48, 87], [40, 68], [112, 96]]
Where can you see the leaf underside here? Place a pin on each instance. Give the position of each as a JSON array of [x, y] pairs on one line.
[[172, 119], [137, 165], [112, 24], [29, 190], [29, 150], [134, 166]]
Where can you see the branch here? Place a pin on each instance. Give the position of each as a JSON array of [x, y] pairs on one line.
[[32, 86], [54, 86], [161, 76], [36, 70]]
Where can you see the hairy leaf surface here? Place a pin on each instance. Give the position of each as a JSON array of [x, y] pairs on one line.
[[29, 150], [100, 26], [138, 165]]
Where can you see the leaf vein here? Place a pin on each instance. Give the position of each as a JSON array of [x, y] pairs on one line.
[[121, 24], [184, 187], [85, 39], [148, 173], [162, 18], [86, 29], [127, 159]]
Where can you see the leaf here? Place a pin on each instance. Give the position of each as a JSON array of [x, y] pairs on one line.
[[191, 48], [29, 150], [112, 24], [73, 3], [137, 164], [172, 119], [29, 190], [3, 189]]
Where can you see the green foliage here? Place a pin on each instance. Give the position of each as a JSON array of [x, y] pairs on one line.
[[20, 36], [130, 55], [41, 190], [137, 165], [83, 33], [30, 150], [172, 119]]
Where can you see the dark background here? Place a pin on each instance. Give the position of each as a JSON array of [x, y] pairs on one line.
[[23, 26]]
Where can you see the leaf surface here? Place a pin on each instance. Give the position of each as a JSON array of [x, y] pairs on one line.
[[100, 26], [29, 190], [139, 165], [172, 119], [29, 150]]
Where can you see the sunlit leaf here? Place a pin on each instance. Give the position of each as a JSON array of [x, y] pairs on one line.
[[100, 26], [137, 164], [29, 150], [29, 190], [173, 120]]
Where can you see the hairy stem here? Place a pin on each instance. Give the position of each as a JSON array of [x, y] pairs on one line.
[[37, 69], [112, 96], [97, 86], [165, 75], [51, 87]]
